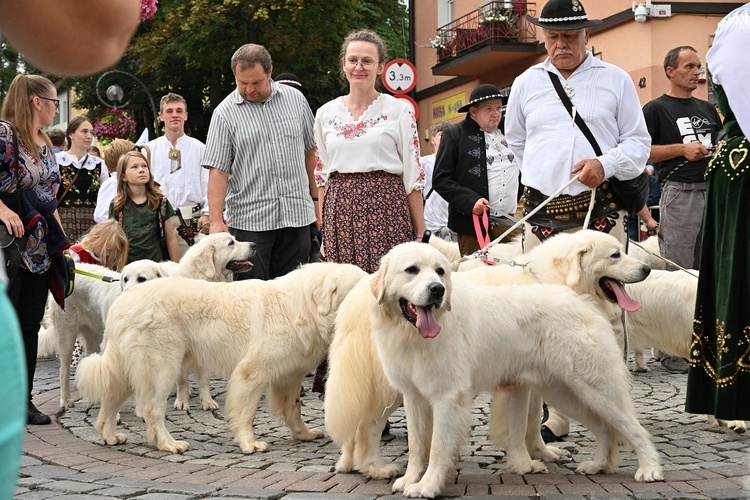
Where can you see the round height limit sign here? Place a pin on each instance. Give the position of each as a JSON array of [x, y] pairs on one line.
[[399, 76]]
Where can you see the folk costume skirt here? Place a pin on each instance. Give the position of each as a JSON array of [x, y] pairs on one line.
[[364, 216], [76, 220], [719, 373]]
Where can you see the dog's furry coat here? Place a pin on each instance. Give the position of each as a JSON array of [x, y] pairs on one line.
[[266, 334]]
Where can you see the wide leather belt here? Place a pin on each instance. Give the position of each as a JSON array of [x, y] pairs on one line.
[[567, 211]]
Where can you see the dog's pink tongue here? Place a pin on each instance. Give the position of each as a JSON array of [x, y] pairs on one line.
[[426, 324], [625, 301]]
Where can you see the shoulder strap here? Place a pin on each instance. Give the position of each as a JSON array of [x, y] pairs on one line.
[[161, 216], [572, 110], [73, 181]]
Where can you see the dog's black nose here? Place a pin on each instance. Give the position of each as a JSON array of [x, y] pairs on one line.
[[437, 290]]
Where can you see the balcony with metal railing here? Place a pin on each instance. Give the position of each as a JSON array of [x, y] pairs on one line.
[[497, 33]]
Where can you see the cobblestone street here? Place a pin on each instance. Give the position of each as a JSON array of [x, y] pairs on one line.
[[68, 460]]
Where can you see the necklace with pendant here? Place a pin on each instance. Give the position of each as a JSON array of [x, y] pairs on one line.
[[570, 91]]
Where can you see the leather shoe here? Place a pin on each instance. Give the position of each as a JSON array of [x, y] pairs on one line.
[[35, 417], [548, 436]]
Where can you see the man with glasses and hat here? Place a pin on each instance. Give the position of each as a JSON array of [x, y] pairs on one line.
[[551, 147], [475, 171]]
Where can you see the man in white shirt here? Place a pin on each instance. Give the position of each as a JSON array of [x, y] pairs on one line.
[[551, 149], [435, 207], [176, 167]]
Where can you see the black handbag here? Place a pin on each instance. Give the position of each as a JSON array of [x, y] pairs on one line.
[[10, 244], [633, 193]]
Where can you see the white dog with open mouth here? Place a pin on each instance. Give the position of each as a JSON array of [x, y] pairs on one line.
[[214, 258], [265, 334], [361, 399], [442, 339]]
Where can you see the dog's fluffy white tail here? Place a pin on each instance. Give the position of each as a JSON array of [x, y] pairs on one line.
[[94, 377]]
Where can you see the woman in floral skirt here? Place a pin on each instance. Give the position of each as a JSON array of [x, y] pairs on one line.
[[368, 169]]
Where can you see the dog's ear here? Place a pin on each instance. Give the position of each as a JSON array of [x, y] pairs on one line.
[[571, 267], [448, 287], [325, 295], [205, 262], [378, 284]]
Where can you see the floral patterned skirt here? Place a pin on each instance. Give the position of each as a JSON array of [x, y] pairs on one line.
[[364, 216], [76, 221]]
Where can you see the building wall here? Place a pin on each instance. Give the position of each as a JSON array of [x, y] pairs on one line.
[[637, 48]]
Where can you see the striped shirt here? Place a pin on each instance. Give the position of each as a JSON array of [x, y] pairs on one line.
[[262, 146]]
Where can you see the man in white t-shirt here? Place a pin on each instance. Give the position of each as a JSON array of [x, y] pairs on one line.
[[176, 167], [435, 206]]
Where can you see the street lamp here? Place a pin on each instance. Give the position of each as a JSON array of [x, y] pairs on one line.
[[116, 94]]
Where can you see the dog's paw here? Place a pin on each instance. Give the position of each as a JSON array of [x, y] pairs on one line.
[[382, 471], [345, 464], [182, 404], [591, 467], [738, 426], [209, 404], [118, 438], [548, 454], [641, 369], [310, 434], [253, 447], [649, 474], [528, 467], [422, 490], [174, 446], [66, 403], [401, 483]]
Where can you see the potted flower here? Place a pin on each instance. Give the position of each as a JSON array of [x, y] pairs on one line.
[[114, 124], [441, 45], [437, 43], [499, 23]]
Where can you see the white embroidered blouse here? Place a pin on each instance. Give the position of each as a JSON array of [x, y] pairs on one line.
[[384, 138]]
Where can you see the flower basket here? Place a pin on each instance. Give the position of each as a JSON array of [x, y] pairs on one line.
[[499, 23], [115, 124]]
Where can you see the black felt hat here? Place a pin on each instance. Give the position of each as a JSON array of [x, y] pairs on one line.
[[291, 80], [563, 15], [483, 92]]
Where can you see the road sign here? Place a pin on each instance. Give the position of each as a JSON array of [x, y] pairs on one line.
[[399, 76], [411, 101]]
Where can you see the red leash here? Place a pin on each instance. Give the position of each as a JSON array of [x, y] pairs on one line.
[[482, 231]]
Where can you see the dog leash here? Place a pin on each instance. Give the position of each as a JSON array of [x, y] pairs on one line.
[[482, 231], [484, 251], [633, 242], [106, 279]]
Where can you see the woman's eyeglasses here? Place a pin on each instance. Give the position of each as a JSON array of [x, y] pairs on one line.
[[56, 101], [365, 63]]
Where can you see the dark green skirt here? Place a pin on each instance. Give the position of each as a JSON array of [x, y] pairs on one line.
[[719, 374]]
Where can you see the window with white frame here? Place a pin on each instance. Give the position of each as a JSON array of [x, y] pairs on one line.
[[445, 12]]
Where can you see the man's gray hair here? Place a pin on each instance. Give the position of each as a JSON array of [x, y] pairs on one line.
[[249, 55]]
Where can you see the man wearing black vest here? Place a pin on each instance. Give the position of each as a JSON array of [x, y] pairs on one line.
[[476, 171]]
